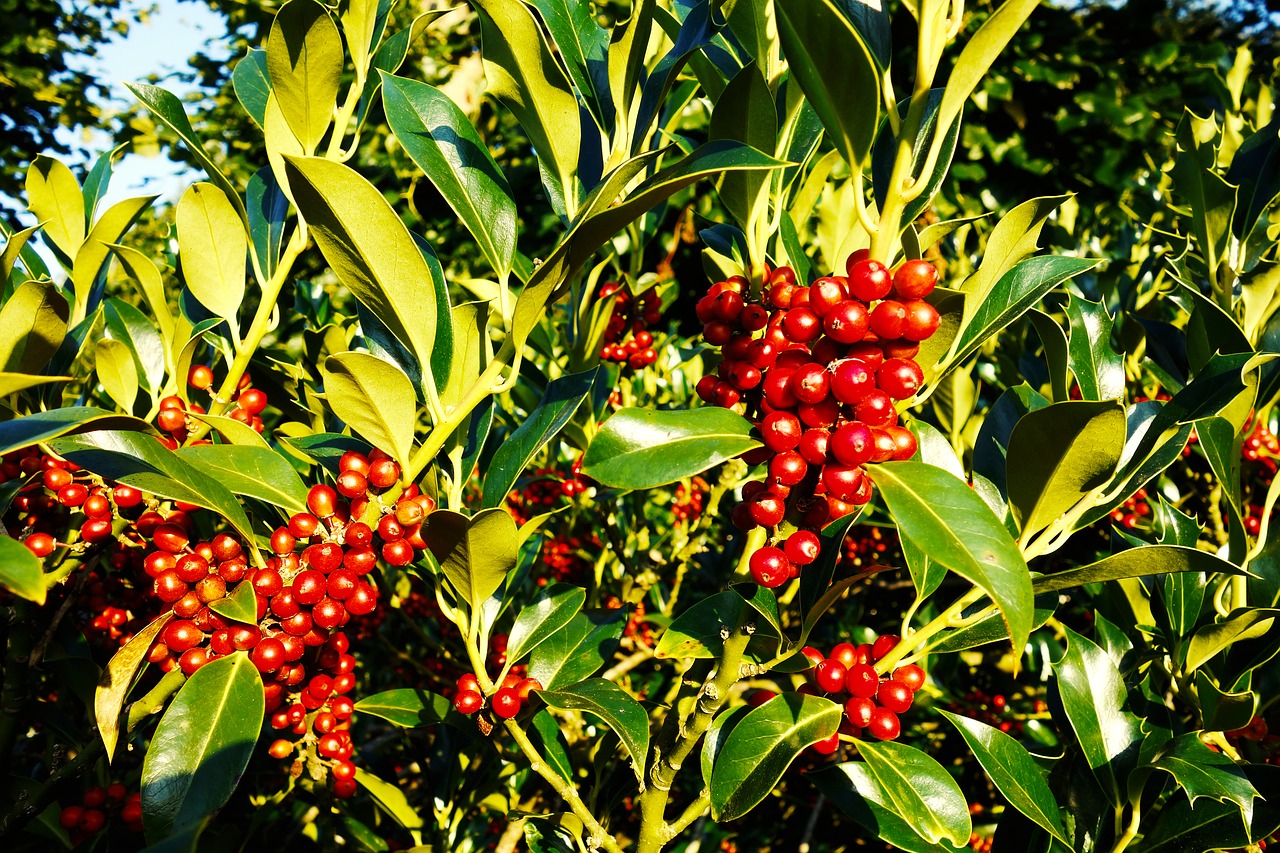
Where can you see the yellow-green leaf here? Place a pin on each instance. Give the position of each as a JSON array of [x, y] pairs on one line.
[[54, 197], [117, 678], [375, 398], [32, 325], [304, 60], [117, 372], [214, 249]]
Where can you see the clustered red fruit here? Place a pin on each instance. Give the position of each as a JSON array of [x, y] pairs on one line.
[[690, 500], [874, 701], [627, 339], [96, 808], [249, 405], [564, 553], [819, 370], [507, 699]]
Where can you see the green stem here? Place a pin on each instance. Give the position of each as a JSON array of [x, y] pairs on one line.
[[599, 835], [1131, 832], [917, 639]]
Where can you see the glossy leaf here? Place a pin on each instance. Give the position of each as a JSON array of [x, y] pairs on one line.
[[391, 798], [304, 61], [745, 111], [252, 84], [641, 449], [1093, 695], [12, 383], [54, 198], [920, 790], [474, 553], [584, 47], [522, 72], [232, 431], [213, 248], [1014, 238], [1203, 772], [579, 649], [762, 746], [439, 137], [1013, 771], [559, 402], [255, 472], [375, 399], [991, 629], [836, 70], [549, 738], [117, 372], [610, 703], [201, 746], [885, 150], [815, 580], [267, 207], [142, 270], [979, 54], [554, 607], [127, 324], [117, 678], [1098, 368], [139, 460], [43, 426], [166, 107], [1208, 826], [696, 633], [408, 708], [368, 248], [240, 606], [1240, 625], [21, 572], [716, 734], [1058, 455], [1136, 563], [90, 264], [942, 515], [855, 790], [33, 323]]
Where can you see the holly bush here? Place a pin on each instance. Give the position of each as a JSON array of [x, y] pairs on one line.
[[709, 489]]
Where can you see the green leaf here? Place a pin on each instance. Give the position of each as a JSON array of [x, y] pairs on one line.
[[836, 70], [139, 460], [762, 746], [409, 707], [1010, 297], [1055, 352], [522, 72], [990, 629], [391, 798], [920, 790], [268, 208], [201, 746], [1058, 455], [1136, 563], [474, 553], [1013, 771], [117, 372], [943, 516], [979, 54], [1241, 625], [127, 324], [1221, 711], [610, 703], [21, 572], [168, 109], [579, 649], [1210, 827], [1099, 369], [33, 323], [547, 736], [1014, 239], [213, 248], [815, 580], [745, 112], [854, 790], [240, 606], [642, 449], [142, 270], [368, 248], [256, 472], [252, 84], [695, 633], [558, 404], [438, 136], [12, 383], [886, 149], [42, 426], [233, 431], [91, 260], [55, 199], [304, 61], [1093, 696], [375, 399], [1212, 200], [15, 247], [584, 47], [1203, 772], [554, 607]]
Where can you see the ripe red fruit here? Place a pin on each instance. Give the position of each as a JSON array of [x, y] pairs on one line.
[[829, 675], [915, 279], [780, 431], [95, 797], [181, 634], [353, 460], [96, 531], [899, 378], [770, 567], [268, 655], [97, 507], [252, 401], [193, 659], [847, 322], [282, 541], [323, 556], [267, 582], [821, 415], [825, 294], [225, 547], [921, 321], [126, 497], [383, 473], [852, 444], [200, 376], [827, 746], [888, 319], [860, 711], [328, 613], [280, 749], [868, 280], [812, 655], [842, 481], [192, 568], [876, 410], [883, 645], [168, 587], [788, 469], [862, 680], [92, 821], [321, 500], [41, 544], [852, 380], [802, 547], [506, 703], [904, 442], [70, 817], [72, 495], [814, 445], [811, 383], [342, 583], [768, 509], [397, 552], [883, 447], [883, 725], [171, 420], [777, 388], [801, 325], [847, 654], [910, 675], [170, 537]]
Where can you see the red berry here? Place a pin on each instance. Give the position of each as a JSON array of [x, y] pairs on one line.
[[868, 280], [70, 817], [847, 322], [268, 655], [861, 680], [827, 746], [921, 322], [788, 469], [826, 293], [200, 376], [910, 675], [860, 711], [915, 279], [883, 725], [770, 567], [883, 645], [506, 703], [899, 378], [888, 319], [801, 325], [852, 444], [170, 537], [252, 401], [321, 500], [802, 547], [876, 410], [829, 675], [41, 544]]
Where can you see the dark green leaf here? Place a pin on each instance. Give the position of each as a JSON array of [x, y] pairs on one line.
[[642, 449], [201, 746], [43, 426], [610, 703], [1098, 368], [545, 733], [920, 790], [854, 790], [942, 515], [696, 633], [409, 707], [267, 209], [1203, 772], [1212, 640], [761, 747], [21, 572], [1136, 563], [886, 149], [1013, 771], [1182, 829], [558, 404], [252, 84], [474, 553], [390, 798], [584, 47], [579, 649], [554, 607]]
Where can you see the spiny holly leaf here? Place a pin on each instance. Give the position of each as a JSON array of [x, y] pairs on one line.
[[1202, 772]]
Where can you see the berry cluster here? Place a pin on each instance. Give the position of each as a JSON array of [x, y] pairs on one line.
[[508, 700], [249, 405], [96, 807], [690, 500], [875, 701], [627, 338], [819, 369]]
